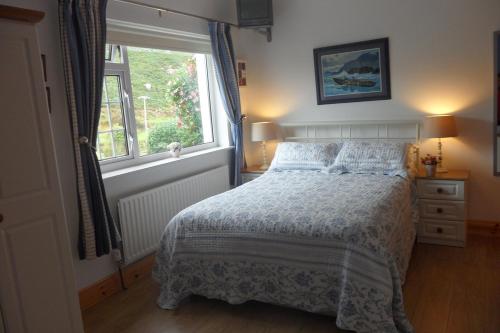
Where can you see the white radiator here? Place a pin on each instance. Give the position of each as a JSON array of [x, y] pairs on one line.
[[143, 216]]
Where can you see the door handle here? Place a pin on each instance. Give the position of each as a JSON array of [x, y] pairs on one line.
[[1, 218]]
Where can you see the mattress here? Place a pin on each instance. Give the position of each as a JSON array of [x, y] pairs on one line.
[[325, 243]]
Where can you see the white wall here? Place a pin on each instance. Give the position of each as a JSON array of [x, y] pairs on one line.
[[441, 58], [90, 271]]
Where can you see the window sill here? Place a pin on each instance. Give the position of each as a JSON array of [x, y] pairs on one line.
[[135, 168]]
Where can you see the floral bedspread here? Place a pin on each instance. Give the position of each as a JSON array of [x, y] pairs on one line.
[[325, 243]]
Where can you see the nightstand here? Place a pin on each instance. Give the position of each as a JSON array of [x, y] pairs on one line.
[[443, 208], [251, 173]]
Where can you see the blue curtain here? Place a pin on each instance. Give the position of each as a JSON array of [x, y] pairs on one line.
[[82, 25], [225, 68]]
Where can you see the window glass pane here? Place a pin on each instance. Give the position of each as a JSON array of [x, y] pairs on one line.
[[107, 52], [113, 53], [116, 54], [112, 88], [105, 147], [116, 115], [170, 94], [111, 135], [103, 119], [104, 96], [120, 142]]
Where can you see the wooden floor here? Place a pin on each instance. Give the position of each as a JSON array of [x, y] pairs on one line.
[[448, 289]]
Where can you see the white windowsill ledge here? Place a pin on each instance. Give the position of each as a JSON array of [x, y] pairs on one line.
[[169, 160]]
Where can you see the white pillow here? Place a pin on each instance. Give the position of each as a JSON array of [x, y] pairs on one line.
[[303, 156], [387, 158]]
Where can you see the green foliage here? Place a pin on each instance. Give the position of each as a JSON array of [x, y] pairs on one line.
[[120, 143], [161, 136], [150, 66], [182, 94], [165, 133], [105, 147], [173, 104]]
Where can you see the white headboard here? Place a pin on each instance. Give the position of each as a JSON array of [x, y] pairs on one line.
[[376, 130]]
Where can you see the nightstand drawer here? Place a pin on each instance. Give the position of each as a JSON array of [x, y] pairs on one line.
[[441, 189], [445, 230], [443, 210]]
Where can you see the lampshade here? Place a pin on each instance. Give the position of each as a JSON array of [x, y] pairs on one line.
[[263, 131], [440, 126]]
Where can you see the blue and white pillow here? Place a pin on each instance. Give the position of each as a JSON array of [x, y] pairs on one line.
[[388, 158], [303, 156]]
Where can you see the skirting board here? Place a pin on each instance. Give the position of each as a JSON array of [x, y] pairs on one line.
[[138, 270], [111, 285], [99, 291], [485, 228]]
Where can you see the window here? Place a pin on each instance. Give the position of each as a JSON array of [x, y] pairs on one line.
[[111, 138], [152, 97], [113, 53]]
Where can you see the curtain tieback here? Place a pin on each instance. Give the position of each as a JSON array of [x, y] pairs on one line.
[[83, 140], [242, 117]]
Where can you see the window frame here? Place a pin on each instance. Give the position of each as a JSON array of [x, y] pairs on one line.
[[122, 70], [133, 158], [126, 123]]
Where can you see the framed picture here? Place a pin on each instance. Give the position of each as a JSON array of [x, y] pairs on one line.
[[242, 73], [353, 72]]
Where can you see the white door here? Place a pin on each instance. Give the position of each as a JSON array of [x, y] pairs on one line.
[[37, 283]]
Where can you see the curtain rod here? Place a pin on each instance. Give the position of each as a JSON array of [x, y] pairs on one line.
[[173, 11]]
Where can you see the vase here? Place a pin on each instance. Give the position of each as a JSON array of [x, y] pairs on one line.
[[430, 170]]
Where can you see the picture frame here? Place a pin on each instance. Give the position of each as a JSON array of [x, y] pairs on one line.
[[242, 73], [353, 72]]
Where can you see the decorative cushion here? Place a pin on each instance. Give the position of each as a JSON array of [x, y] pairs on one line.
[[303, 156], [371, 157]]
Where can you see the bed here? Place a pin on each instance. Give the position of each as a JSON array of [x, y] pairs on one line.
[[331, 243]]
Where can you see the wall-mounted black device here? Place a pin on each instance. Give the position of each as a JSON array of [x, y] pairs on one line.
[[255, 13]]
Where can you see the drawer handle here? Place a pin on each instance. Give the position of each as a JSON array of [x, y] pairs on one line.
[[439, 230], [439, 190], [439, 210]]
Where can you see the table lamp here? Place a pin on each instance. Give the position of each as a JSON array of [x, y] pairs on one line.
[[263, 131], [442, 126]]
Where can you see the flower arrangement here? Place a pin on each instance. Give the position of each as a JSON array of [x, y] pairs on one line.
[[429, 160], [175, 149]]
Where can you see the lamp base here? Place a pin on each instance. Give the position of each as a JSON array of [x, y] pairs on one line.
[[440, 168], [264, 165]]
